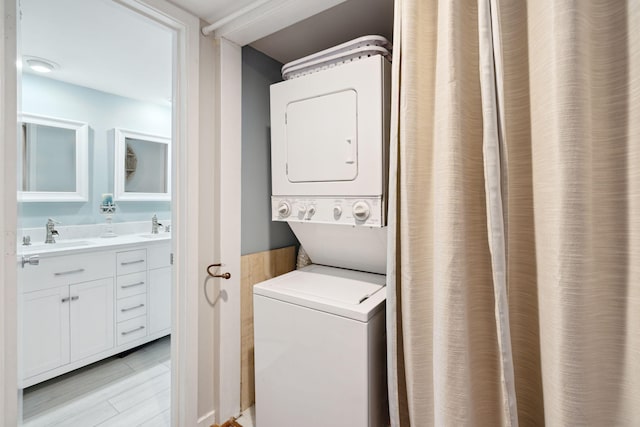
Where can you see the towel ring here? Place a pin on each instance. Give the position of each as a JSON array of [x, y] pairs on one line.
[[225, 276]]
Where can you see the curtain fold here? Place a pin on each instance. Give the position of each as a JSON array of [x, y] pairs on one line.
[[580, 148], [514, 214], [446, 328], [496, 229]]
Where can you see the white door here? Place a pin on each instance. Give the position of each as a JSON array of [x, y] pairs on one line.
[[45, 330], [91, 318]]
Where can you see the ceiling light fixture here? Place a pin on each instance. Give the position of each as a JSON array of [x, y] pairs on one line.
[[41, 65]]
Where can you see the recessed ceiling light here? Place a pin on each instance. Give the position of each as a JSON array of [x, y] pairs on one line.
[[41, 65]]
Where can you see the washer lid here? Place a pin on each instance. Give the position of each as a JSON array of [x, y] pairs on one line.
[[347, 293]]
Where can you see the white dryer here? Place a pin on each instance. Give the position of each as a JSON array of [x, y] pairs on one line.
[[329, 138], [319, 349], [329, 161]]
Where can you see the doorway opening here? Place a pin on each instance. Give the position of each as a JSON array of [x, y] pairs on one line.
[[95, 210]]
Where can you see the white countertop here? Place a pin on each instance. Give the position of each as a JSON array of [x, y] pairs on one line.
[[69, 246]]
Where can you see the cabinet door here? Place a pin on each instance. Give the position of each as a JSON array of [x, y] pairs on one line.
[[45, 330], [159, 299], [91, 313]]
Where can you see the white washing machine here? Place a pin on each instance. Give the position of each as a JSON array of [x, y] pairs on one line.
[[320, 349]]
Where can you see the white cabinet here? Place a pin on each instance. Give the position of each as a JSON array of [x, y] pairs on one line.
[[45, 330], [82, 307], [131, 261], [132, 330], [66, 269], [159, 289], [132, 296], [159, 299], [65, 324], [132, 284], [91, 314], [131, 307]]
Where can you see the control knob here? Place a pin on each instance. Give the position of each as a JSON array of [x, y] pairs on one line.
[[361, 211], [337, 212], [284, 209], [311, 211]]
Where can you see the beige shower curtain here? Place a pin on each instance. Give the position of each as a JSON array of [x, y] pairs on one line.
[[514, 273]]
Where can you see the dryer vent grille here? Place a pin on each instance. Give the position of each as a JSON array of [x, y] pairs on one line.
[[360, 48]]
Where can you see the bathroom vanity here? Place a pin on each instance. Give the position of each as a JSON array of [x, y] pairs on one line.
[[89, 299]]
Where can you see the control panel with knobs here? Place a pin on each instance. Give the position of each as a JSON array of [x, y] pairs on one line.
[[284, 209], [355, 211], [361, 211]]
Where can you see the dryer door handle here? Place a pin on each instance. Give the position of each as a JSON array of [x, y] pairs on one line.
[[351, 151]]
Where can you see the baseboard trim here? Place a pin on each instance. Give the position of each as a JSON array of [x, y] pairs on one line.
[[207, 420]]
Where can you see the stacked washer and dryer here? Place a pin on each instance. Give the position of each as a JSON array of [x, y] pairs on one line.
[[319, 331]]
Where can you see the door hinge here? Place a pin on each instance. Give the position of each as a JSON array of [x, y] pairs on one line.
[[286, 167], [171, 258]]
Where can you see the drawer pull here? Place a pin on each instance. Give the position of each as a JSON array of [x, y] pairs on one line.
[[124, 310], [76, 298], [132, 285], [65, 299], [138, 261], [139, 328], [64, 273]]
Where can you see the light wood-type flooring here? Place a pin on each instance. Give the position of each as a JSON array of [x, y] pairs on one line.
[[128, 391]]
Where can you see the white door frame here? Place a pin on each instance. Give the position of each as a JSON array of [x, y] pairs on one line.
[[8, 216], [185, 210], [229, 127]]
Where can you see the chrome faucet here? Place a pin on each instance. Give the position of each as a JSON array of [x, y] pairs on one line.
[[51, 231], [154, 224]]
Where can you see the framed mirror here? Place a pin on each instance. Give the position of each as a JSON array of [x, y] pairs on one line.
[[54, 165], [142, 166]]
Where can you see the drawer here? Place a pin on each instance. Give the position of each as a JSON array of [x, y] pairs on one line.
[[131, 284], [159, 255], [131, 261], [131, 330], [128, 308], [63, 270]]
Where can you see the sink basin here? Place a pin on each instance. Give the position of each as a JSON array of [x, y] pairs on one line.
[[52, 246], [156, 236]]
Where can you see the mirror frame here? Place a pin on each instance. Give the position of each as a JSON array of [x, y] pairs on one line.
[[82, 161], [120, 136]]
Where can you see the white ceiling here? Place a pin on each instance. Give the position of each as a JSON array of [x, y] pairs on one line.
[[101, 45]]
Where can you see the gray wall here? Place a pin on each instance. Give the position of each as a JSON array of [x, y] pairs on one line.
[[259, 233]]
